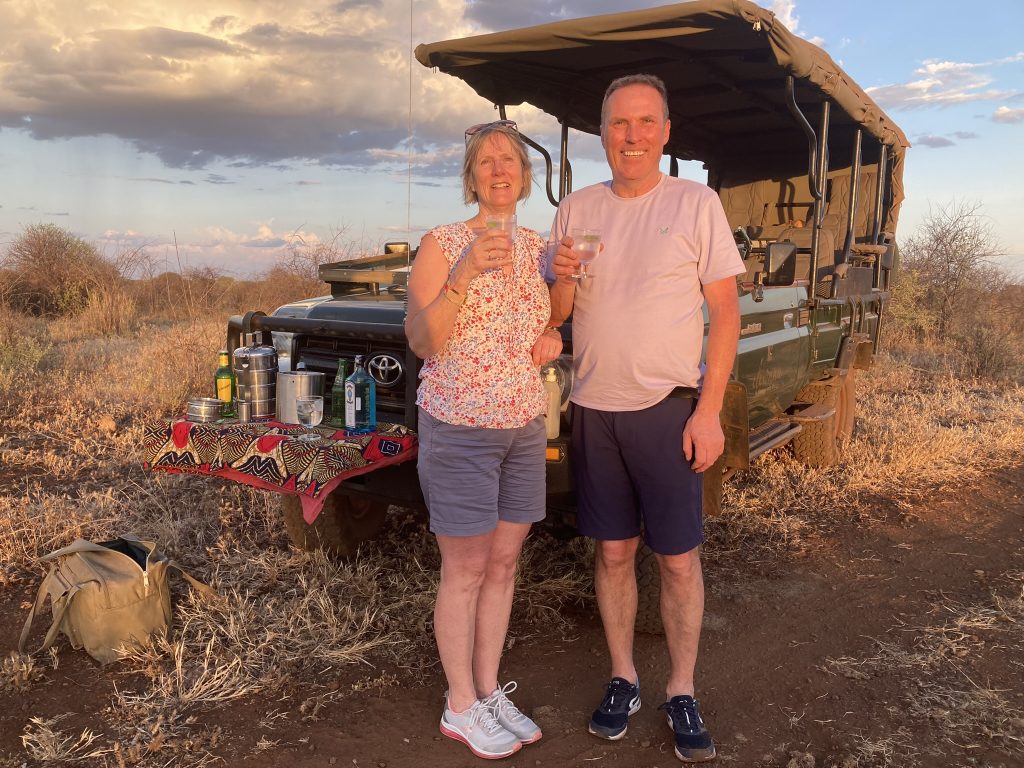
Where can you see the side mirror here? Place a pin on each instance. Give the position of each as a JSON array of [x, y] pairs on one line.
[[780, 264]]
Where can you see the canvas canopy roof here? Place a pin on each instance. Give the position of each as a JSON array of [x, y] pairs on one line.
[[724, 62]]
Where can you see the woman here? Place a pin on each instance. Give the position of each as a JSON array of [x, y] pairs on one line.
[[478, 307]]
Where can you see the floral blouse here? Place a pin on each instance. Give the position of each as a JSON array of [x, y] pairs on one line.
[[484, 375]]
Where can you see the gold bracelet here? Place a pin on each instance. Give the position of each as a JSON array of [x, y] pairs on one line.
[[447, 292], [553, 328]]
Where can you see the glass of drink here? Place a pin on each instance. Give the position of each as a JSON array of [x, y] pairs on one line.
[[586, 243], [310, 410], [502, 222]]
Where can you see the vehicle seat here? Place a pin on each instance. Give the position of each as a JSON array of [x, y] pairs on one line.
[[837, 214], [746, 203]]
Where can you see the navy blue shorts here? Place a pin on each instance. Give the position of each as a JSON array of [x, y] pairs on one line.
[[631, 476]]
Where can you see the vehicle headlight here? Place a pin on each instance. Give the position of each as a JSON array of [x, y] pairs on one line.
[[284, 342]]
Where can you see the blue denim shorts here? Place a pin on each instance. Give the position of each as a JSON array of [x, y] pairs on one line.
[[472, 477], [632, 478]]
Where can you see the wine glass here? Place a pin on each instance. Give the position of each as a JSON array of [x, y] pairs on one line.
[[310, 410], [587, 244]]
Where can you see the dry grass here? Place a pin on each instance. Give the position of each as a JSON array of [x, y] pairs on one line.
[[916, 432], [302, 627], [49, 746], [935, 662]]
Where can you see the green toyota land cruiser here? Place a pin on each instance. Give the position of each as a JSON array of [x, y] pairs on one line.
[[808, 168]]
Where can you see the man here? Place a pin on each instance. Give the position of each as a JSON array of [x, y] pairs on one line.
[[639, 443]]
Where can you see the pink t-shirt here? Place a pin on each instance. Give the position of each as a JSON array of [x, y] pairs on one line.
[[484, 375], [637, 324]]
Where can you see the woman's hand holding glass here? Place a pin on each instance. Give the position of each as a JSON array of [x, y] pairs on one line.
[[491, 250]]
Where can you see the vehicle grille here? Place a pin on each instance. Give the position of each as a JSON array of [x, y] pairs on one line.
[[394, 403]]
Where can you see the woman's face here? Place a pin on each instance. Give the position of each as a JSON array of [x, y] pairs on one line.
[[497, 175]]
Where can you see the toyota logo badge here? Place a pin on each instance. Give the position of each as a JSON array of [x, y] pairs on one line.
[[386, 370]]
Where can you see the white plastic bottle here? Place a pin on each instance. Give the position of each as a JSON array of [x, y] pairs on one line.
[[553, 393]]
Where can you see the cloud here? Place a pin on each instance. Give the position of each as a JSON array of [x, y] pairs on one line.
[[935, 142], [248, 85], [942, 84], [152, 180], [785, 11], [1008, 116], [965, 135]]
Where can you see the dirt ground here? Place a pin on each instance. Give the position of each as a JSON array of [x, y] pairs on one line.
[[797, 665]]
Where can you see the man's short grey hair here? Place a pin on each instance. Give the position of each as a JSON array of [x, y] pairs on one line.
[[473, 147], [653, 81]]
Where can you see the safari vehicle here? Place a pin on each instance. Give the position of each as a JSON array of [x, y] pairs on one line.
[[808, 168]]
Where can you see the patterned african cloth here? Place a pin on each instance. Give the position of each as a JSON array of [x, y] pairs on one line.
[[269, 455]]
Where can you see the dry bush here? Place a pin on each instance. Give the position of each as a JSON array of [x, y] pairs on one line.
[[110, 311], [24, 343], [53, 272], [949, 295]]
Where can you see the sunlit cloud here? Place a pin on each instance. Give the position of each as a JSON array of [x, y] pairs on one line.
[[261, 84], [1008, 116], [943, 84]]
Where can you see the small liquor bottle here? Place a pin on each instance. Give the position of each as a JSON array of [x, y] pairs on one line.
[[224, 383], [360, 400], [338, 393]]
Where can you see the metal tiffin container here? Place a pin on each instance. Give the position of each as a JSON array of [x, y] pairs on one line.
[[255, 367], [292, 385], [203, 409]]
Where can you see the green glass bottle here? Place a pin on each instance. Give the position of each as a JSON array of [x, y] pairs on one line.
[[224, 383], [338, 393]]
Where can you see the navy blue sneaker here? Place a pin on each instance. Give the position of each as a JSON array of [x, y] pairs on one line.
[[693, 742], [621, 699]]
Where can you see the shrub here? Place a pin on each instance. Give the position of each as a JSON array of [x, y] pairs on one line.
[[53, 272], [110, 311]]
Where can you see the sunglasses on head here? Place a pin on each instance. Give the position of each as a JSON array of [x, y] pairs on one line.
[[475, 129]]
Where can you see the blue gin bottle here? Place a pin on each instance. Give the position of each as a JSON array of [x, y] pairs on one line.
[[360, 400]]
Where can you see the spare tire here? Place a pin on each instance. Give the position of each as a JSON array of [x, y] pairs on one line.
[[343, 524], [821, 443]]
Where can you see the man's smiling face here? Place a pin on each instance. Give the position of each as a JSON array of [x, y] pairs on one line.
[[634, 135]]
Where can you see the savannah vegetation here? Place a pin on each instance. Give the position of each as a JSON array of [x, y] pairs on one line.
[[93, 344]]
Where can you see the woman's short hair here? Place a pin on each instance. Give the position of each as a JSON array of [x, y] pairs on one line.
[[475, 143]]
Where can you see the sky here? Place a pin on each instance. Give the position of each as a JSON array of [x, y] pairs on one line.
[[220, 133]]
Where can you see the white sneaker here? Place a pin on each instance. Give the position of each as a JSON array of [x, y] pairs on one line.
[[478, 729], [509, 717]]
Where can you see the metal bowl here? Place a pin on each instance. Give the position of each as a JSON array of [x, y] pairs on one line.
[[204, 409]]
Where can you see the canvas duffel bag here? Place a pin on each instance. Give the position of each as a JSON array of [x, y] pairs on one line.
[[108, 595]]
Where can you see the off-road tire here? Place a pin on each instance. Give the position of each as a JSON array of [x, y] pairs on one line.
[[343, 524], [648, 576], [648, 592], [821, 443]]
